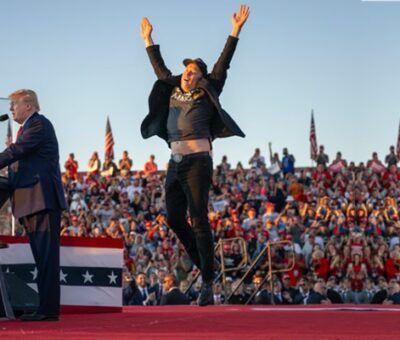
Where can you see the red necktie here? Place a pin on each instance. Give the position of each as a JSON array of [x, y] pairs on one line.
[[20, 130]]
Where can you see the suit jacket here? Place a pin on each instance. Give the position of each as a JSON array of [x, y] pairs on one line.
[[365, 296], [158, 289], [315, 298], [34, 172], [395, 298], [300, 298], [348, 296], [132, 295], [155, 123], [379, 297], [263, 297], [174, 297], [334, 296]]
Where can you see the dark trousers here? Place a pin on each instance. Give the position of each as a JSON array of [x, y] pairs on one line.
[[186, 189], [43, 229]]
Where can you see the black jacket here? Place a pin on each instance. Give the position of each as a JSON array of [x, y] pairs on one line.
[[315, 298], [174, 297], [334, 296], [155, 123], [395, 298]]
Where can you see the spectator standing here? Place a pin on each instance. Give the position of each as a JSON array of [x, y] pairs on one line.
[[322, 158], [109, 168], [338, 164], [150, 166], [94, 164], [375, 164], [391, 158], [276, 165], [288, 161], [257, 161], [71, 168], [223, 169], [125, 164]]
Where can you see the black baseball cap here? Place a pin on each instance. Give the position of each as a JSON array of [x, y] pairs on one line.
[[199, 62]]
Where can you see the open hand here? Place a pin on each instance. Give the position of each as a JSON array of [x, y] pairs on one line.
[[239, 19], [145, 30]]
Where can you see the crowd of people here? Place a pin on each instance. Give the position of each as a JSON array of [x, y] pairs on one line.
[[342, 219]]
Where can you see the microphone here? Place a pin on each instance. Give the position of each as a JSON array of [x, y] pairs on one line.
[[3, 117]]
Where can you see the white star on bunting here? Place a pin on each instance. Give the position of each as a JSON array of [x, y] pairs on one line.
[[113, 278], [34, 273], [63, 277], [88, 277]]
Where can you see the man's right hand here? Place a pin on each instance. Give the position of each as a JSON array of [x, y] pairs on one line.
[[145, 30]]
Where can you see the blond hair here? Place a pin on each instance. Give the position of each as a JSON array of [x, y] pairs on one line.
[[27, 96]]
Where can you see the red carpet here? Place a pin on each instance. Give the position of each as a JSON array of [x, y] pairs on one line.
[[219, 322]]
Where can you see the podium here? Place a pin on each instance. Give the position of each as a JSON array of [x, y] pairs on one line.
[[5, 305]]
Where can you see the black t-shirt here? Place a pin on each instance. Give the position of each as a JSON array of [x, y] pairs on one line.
[[190, 115]]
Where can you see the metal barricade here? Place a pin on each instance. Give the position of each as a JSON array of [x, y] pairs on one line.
[[271, 271], [243, 263], [222, 270]]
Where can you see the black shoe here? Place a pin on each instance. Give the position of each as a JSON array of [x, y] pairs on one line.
[[206, 295], [38, 317], [3, 245]]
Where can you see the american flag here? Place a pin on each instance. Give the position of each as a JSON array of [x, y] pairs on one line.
[[313, 138], [109, 142], [398, 143]]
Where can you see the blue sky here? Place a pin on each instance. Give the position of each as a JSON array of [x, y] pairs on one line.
[[86, 60]]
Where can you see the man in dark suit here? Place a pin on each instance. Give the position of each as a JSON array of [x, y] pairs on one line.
[[263, 295], [318, 295], [380, 296], [173, 296], [37, 196], [303, 292], [142, 294], [185, 111], [331, 292], [394, 293]]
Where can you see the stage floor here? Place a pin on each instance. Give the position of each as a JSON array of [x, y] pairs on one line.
[[219, 322]]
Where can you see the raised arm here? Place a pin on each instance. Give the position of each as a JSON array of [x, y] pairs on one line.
[[153, 51], [219, 72], [239, 19]]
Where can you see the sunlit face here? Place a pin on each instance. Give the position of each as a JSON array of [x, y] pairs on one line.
[[257, 281], [168, 283], [190, 77], [20, 109], [141, 280], [183, 286]]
